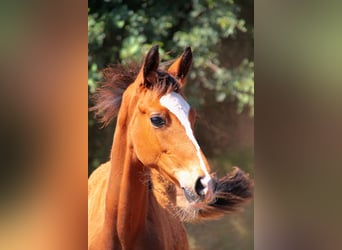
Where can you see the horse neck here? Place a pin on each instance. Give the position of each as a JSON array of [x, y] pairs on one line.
[[126, 198]]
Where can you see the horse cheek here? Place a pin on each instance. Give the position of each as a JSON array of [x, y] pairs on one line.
[[145, 145]]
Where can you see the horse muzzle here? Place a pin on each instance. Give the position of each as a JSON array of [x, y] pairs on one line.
[[204, 189]]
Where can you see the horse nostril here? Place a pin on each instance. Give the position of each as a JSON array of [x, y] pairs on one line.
[[199, 188]]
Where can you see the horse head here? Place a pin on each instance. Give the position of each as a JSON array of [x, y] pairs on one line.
[[162, 138]]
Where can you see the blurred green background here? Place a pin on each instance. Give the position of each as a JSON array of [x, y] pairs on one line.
[[220, 85]]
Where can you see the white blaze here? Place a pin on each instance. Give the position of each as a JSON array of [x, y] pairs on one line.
[[176, 104]]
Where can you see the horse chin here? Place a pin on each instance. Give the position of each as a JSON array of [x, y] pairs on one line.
[[230, 193]]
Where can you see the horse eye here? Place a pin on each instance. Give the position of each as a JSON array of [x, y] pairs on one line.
[[157, 121]]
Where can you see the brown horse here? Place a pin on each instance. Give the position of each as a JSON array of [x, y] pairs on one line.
[[157, 176]]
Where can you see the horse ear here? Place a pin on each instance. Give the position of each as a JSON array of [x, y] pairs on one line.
[[150, 66], [180, 68]]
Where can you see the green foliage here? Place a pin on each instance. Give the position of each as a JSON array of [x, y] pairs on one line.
[[123, 31], [238, 83]]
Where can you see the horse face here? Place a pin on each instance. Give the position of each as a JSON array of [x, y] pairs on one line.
[[163, 139], [162, 132]]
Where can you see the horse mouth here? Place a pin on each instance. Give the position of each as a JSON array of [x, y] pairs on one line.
[[227, 195], [191, 196]]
